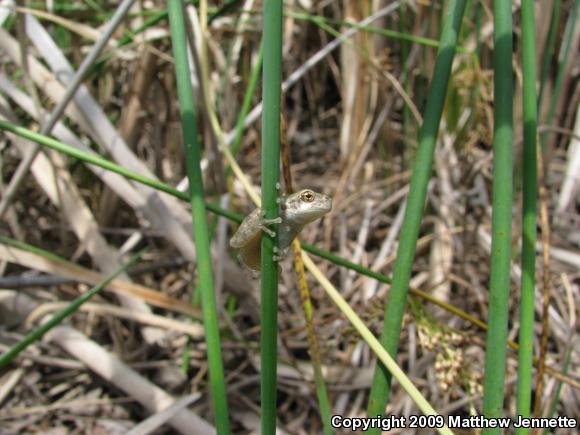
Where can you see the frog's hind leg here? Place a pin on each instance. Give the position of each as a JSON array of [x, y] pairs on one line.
[[280, 254]]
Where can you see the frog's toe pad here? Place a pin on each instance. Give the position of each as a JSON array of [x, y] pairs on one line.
[[268, 231]]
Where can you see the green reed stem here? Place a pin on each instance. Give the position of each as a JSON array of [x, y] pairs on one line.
[[530, 181], [198, 211], [253, 82], [478, 26], [558, 390], [271, 89], [396, 304], [563, 60], [501, 215], [549, 49]]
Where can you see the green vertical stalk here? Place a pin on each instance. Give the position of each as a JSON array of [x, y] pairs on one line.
[[185, 357], [502, 213], [549, 49], [236, 142], [563, 60], [198, 211], [407, 117], [395, 307], [559, 385], [402, 29], [271, 87], [478, 26], [530, 181]]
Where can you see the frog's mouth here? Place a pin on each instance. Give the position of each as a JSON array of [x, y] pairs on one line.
[[312, 213]]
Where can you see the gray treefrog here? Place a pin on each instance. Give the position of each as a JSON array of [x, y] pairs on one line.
[[296, 210]]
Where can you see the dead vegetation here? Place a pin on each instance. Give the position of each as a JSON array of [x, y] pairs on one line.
[[352, 121]]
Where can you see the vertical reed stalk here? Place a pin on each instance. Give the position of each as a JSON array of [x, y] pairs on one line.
[[530, 181], [549, 49], [502, 213], [395, 307], [198, 211], [563, 60], [236, 143], [478, 26], [272, 75]]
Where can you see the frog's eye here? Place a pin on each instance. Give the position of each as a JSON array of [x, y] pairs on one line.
[[307, 196]]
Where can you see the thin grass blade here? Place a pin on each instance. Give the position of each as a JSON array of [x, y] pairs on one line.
[[55, 320]]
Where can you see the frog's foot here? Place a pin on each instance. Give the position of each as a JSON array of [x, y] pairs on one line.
[[279, 254], [264, 225]]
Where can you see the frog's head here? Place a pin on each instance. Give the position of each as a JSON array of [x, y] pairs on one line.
[[305, 206]]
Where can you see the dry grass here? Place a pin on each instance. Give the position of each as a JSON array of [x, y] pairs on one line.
[[90, 218]]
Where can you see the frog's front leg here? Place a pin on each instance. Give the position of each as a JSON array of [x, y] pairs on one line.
[[263, 224], [250, 229]]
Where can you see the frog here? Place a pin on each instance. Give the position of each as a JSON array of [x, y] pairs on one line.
[[295, 211]]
